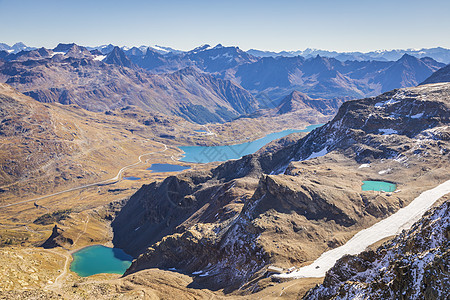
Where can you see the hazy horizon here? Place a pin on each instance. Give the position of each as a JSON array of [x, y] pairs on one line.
[[212, 45], [286, 25]]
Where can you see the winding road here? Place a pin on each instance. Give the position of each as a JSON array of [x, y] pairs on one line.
[[115, 179]]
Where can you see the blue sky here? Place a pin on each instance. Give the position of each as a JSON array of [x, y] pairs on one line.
[[342, 25]]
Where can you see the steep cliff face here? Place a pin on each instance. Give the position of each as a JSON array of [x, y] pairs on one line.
[[289, 206], [414, 265]]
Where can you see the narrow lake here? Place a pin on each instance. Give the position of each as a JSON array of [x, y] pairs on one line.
[[206, 154], [131, 178], [100, 259]]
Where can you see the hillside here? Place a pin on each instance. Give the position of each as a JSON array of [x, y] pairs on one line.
[[414, 265], [48, 147], [288, 206]]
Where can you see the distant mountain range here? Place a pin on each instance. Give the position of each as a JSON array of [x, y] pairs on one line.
[[71, 74], [17, 47], [206, 84], [439, 54]]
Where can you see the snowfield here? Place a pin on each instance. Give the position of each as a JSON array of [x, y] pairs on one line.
[[404, 218], [322, 152]]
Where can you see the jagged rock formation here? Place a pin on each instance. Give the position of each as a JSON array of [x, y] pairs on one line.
[[56, 239], [118, 57], [414, 265], [226, 225]]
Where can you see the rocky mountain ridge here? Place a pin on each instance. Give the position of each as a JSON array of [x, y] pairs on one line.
[[226, 225], [77, 77], [271, 79], [441, 75]]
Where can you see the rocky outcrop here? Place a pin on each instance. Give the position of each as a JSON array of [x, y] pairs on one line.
[[56, 239], [362, 127], [414, 265]]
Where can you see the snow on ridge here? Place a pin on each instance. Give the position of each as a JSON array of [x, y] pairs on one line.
[[404, 218], [56, 53], [387, 171], [364, 166], [100, 57], [417, 116], [156, 47], [387, 131]]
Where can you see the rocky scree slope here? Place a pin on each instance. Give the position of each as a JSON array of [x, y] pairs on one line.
[[414, 265], [227, 224]]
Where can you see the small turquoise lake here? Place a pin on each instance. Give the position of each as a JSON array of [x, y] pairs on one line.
[[370, 185], [100, 259], [160, 168], [206, 154]]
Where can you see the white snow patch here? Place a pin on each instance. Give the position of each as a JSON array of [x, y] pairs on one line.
[[100, 57], [387, 102], [56, 53], [387, 171], [197, 272], [391, 101], [318, 154], [387, 131], [364, 166], [404, 218], [417, 116]]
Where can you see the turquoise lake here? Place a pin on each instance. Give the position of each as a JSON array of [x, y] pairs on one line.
[[205, 154], [100, 259], [378, 186], [159, 168]]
